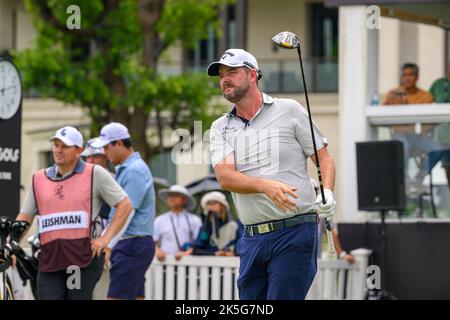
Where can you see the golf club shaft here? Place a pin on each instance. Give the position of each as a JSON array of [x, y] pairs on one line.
[[319, 173], [330, 241]]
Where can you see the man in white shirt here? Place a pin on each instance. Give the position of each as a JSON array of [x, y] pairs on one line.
[[176, 229]]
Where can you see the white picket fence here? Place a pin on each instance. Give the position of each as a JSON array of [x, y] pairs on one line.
[[214, 278], [193, 278], [340, 280]]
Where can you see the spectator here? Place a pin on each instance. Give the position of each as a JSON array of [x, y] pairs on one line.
[[408, 92], [440, 91], [416, 146], [176, 230], [219, 233], [440, 88]]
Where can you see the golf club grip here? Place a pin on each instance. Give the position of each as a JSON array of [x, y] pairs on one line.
[[319, 176], [330, 241]]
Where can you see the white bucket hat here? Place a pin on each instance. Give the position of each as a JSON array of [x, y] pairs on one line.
[[214, 196], [178, 189]]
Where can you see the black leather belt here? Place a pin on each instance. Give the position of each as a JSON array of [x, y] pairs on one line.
[[266, 227]]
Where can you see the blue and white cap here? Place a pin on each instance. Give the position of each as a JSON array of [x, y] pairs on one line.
[[70, 136], [235, 58], [89, 150], [111, 132]]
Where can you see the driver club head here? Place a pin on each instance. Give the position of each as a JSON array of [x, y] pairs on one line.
[[286, 39]]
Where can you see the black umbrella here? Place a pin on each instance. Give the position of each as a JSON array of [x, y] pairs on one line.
[[198, 188], [203, 185], [160, 183]]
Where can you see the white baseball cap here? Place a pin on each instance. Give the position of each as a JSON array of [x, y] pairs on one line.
[[111, 132], [70, 136], [235, 58], [89, 150]]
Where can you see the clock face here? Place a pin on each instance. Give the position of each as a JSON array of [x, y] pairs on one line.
[[10, 89]]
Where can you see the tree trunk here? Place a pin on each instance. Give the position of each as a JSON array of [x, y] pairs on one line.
[[138, 124], [149, 14]]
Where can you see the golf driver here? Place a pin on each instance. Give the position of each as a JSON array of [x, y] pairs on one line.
[[289, 40]]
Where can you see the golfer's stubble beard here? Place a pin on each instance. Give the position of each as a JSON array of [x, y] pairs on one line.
[[237, 93]]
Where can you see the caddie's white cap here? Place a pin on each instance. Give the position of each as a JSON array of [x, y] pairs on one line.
[[69, 136], [111, 132], [235, 58]]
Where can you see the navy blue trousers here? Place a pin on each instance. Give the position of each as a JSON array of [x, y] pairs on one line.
[[278, 265], [130, 259]]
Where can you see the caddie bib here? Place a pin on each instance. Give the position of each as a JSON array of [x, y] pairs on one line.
[[65, 215]]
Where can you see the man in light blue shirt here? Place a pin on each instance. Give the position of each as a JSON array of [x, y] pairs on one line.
[[133, 249], [135, 178]]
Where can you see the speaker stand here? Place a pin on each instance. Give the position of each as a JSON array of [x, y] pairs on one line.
[[383, 294]]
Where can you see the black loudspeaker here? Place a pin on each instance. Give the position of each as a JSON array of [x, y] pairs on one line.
[[381, 175]]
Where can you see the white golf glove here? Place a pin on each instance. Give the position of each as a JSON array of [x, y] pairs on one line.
[[326, 211]]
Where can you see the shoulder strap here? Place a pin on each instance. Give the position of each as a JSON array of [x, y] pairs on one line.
[[191, 235], [175, 233]]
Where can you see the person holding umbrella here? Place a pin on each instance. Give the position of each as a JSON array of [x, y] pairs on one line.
[[176, 229]]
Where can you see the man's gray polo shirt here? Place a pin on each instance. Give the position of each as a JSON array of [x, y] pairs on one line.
[[275, 144]]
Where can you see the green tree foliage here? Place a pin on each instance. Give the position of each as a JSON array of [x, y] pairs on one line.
[[110, 65]]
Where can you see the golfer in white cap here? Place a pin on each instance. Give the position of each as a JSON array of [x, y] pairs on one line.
[[176, 230]]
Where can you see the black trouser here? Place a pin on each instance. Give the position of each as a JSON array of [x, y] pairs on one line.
[[61, 285]]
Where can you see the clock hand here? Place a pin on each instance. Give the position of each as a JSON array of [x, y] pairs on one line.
[[6, 88], [3, 89]]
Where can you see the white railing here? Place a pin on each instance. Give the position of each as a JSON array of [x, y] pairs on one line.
[[341, 280], [408, 113], [193, 278], [214, 278]]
